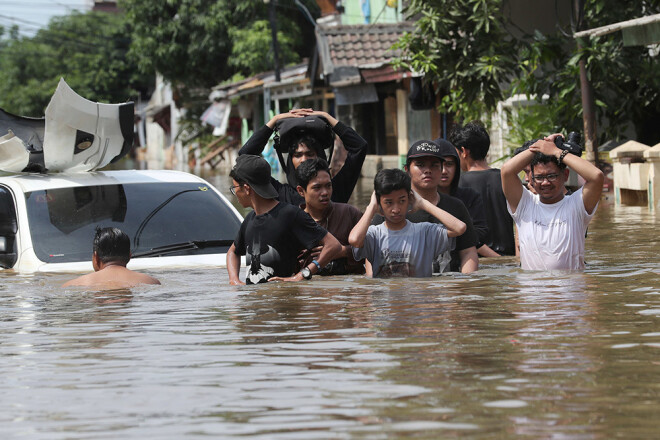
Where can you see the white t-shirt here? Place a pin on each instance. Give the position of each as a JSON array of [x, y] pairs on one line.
[[408, 252], [551, 236]]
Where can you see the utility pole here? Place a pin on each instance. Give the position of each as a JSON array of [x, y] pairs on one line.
[[273, 28], [588, 106]]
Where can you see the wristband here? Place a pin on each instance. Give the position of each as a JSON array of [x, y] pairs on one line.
[[318, 266], [562, 156]]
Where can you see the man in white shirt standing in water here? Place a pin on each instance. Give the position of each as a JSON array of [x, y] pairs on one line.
[[551, 226]]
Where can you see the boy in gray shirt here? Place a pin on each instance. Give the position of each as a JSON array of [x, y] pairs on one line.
[[397, 247]]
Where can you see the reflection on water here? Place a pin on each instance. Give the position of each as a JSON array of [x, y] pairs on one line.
[[500, 354]]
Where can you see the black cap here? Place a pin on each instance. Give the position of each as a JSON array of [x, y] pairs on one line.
[[255, 171], [424, 148]]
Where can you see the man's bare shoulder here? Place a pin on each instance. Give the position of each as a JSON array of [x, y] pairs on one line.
[[114, 277], [84, 280], [142, 278]]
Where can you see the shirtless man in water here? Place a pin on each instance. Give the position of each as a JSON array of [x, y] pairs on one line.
[[112, 251]]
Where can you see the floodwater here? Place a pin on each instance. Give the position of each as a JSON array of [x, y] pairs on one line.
[[499, 354]]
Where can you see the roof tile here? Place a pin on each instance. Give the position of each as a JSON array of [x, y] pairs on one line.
[[357, 45]]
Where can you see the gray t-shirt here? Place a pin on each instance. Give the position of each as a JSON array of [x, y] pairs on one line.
[[408, 252]]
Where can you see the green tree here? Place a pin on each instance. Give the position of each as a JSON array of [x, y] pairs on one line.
[[464, 47], [477, 58], [197, 44], [252, 52], [200, 43], [624, 79], [88, 50]]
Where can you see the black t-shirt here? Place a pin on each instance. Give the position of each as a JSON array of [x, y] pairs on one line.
[[475, 206], [456, 208], [488, 183], [287, 193], [273, 240]]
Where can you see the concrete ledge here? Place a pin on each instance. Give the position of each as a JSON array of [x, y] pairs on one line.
[[653, 153], [629, 149], [374, 163]]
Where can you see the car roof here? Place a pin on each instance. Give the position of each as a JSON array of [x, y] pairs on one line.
[[36, 182]]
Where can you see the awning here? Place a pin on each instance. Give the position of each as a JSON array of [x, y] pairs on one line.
[[640, 31], [357, 94], [384, 74], [217, 115]]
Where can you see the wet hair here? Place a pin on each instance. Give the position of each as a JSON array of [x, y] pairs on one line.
[[309, 169], [312, 143], [389, 180], [474, 137], [112, 245], [542, 158]]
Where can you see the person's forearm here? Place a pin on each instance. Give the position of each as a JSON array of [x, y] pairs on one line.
[[233, 265], [593, 177], [331, 120], [517, 163], [585, 169], [455, 227], [271, 124], [469, 260], [257, 142], [353, 142], [331, 250], [511, 184], [346, 252], [486, 251], [368, 269], [359, 231]]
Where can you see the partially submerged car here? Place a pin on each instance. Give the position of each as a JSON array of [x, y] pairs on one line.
[[48, 219]]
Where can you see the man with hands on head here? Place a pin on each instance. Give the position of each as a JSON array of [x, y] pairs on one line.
[[551, 225], [274, 233], [307, 147]]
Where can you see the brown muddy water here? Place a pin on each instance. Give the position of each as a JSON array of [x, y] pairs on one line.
[[499, 354]]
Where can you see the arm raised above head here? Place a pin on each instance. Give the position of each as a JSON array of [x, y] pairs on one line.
[[511, 184], [259, 139], [455, 227], [593, 177], [359, 231]]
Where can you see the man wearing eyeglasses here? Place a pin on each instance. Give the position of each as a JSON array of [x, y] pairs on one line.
[[551, 226]]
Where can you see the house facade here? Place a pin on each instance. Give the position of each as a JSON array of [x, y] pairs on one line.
[[351, 77]]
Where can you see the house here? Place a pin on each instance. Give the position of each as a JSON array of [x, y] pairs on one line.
[[350, 76], [157, 131]]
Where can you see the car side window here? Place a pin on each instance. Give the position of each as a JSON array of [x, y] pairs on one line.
[[8, 229]]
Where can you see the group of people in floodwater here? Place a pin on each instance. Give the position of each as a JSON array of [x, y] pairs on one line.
[[443, 211]]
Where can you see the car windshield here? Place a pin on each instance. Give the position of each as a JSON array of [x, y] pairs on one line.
[[63, 221]]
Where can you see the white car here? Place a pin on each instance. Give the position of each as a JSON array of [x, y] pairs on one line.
[[50, 210], [174, 219]]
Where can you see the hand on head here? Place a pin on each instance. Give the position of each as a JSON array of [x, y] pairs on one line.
[[545, 146], [551, 138], [374, 200], [415, 201]]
